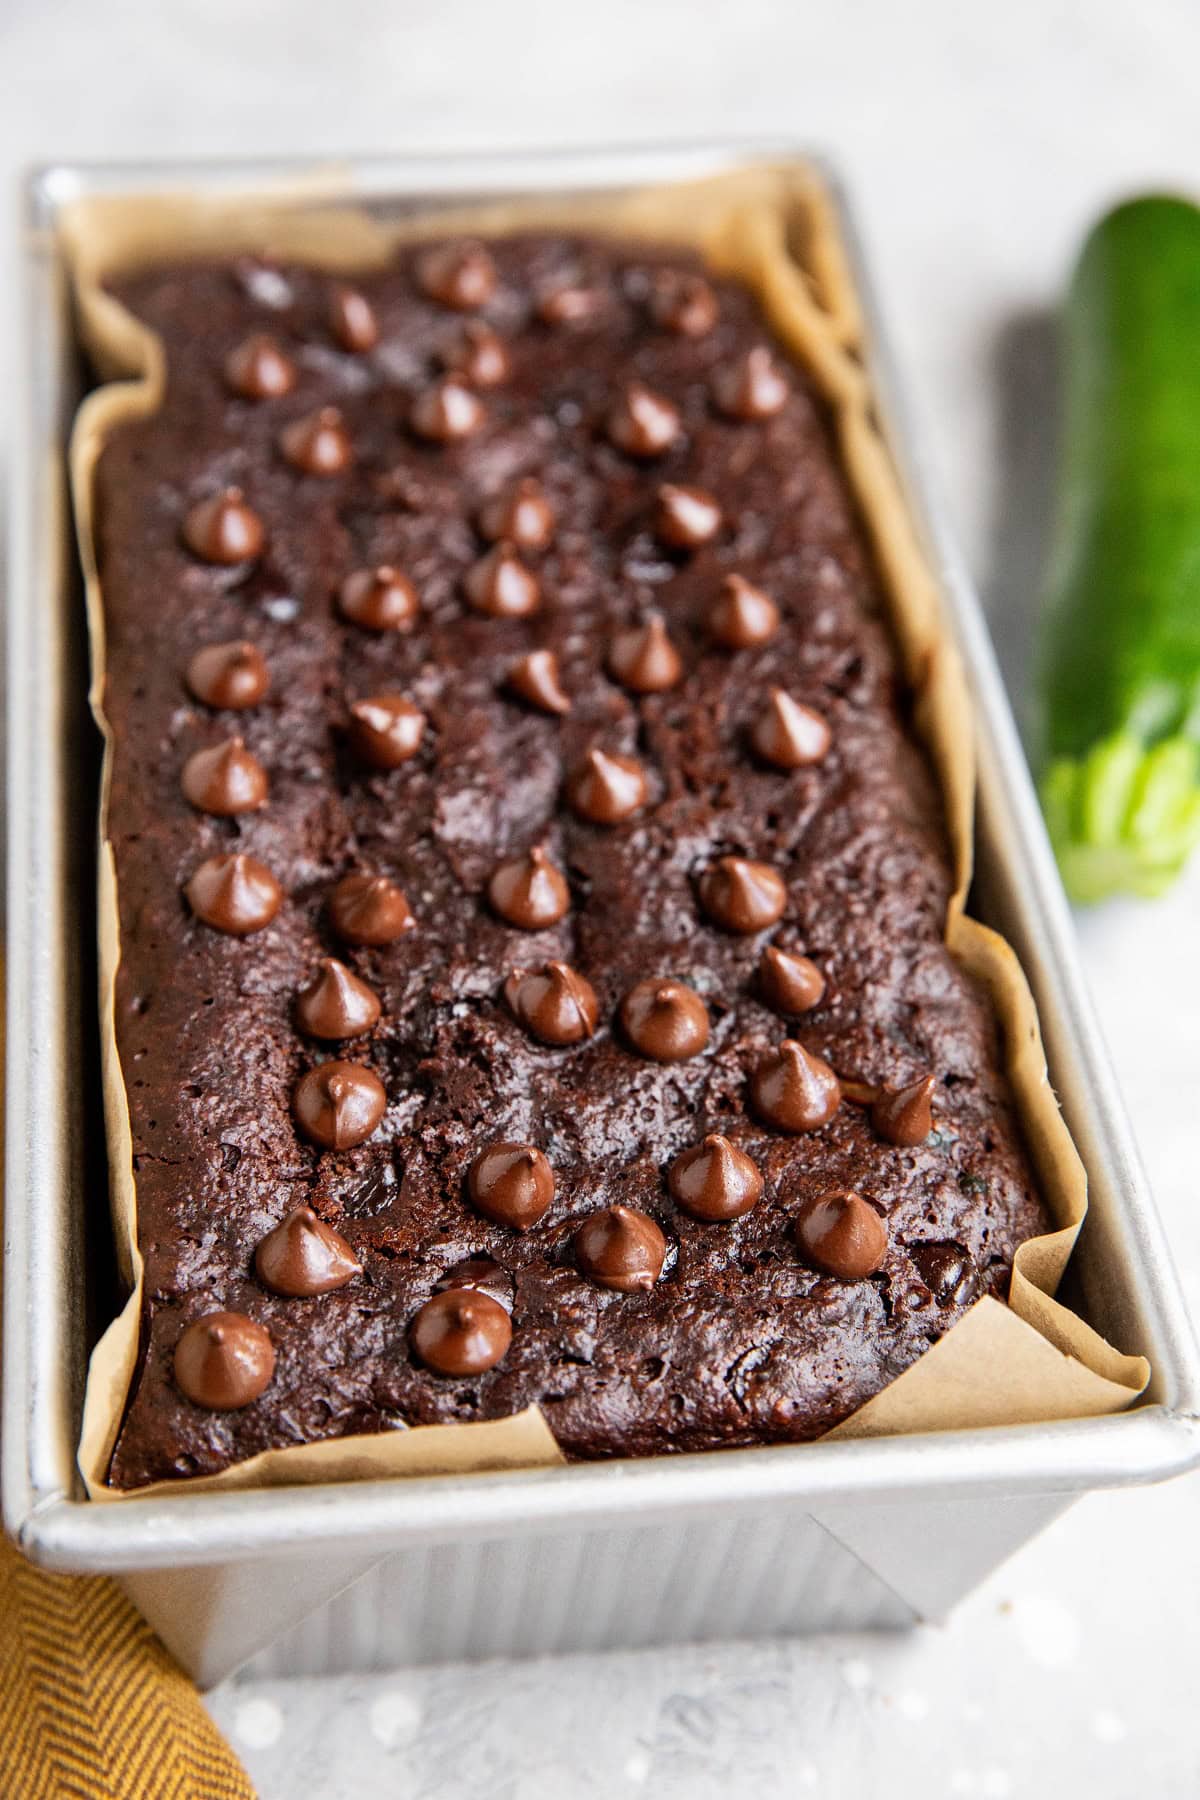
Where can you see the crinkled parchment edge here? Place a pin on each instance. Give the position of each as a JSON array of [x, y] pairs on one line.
[[775, 229]]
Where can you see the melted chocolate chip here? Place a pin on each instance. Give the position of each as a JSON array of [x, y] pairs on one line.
[[644, 659], [790, 983], [555, 1003], [683, 303], [742, 616], [789, 735], [529, 891], [905, 1117], [666, 1020], [460, 275], [842, 1234], [479, 356], [642, 423], [714, 1180], [686, 517], [794, 1090], [535, 679], [223, 529], [742, 896], [236, 894], [753, 388], [318, 444], [259, 370], [948, 1271], [228, 677], [385, 730], [380, 599], [352, 320], [224, 780], [339, 1104], [461, 1331], [369, 910], [484, 1274], [224, 1361], [335, 1003], [512, 1184], [520, 515], [303, 1256], [447, 411], [500, 586], [621, 1248], [606, 788]]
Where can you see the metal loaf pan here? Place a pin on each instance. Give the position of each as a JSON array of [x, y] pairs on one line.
[[780, 1539]]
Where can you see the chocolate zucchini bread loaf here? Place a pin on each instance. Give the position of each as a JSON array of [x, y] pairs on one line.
[[532, 982]]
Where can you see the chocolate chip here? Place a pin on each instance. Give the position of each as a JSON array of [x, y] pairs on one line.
[[794, 1090], [789, 735], [948, 1271], [379, 599], [258, 369], [840, 1233], [683, 303], [529, 891], [339, 1104], [460, 275], [520, 515], [235, 893], [753, 388], [500, 586], [664, 1019], [385, 730], [555, 1003], [905, 1116], [742, 896], [223, 529], [224, 780], [790, 983], [369, 910], [686, 517], [742, 616], [335, 1003], [228, 677], [606, 788], [644, 659], [512, 1184], [621, 1248], [447, 411], [479, 356], [461, 1331], [569, 305], [223, 1361], [642, 423], [714, 1180], [318, 444], [352, 320], [303, 1256], [535, 679]]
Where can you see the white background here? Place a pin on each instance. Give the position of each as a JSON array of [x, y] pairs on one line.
[[978, 142]]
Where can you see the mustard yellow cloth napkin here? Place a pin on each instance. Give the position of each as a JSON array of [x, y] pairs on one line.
[[91, 1705]]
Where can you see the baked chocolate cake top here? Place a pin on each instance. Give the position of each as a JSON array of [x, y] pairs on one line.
[[531, 894]]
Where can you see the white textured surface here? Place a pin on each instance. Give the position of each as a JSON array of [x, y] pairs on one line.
[[977, 141]]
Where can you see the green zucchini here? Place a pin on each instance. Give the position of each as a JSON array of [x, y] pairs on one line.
[[1118, 731]]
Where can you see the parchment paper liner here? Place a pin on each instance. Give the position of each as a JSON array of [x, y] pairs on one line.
[[1031, 1361]]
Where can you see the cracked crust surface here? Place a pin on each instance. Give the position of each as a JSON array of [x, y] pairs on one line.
[[740, 1341]]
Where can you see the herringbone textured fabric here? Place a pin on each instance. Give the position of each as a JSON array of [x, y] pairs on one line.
[[91, 1705]]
